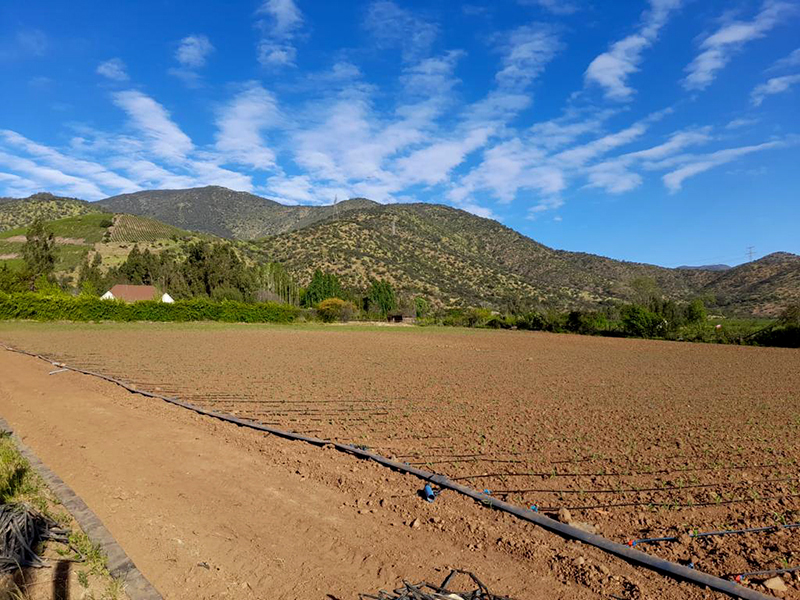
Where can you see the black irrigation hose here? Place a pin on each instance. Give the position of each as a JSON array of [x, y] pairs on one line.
[[640, 558]]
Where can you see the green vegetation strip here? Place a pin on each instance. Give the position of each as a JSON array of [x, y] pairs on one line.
[[640, 558], [38, 307], [119, 565]]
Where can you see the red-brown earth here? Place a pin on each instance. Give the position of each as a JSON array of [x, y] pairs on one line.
[[638, 438]]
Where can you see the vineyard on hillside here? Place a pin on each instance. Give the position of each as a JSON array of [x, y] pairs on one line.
[[130, 228]]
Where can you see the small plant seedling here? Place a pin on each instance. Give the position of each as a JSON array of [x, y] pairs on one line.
[[83, 579]]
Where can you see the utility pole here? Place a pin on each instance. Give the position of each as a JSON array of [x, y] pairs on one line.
[[750, 252], [394, 226], [336, 207]]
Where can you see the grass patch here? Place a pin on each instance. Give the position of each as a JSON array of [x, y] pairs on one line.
[[19, 483]]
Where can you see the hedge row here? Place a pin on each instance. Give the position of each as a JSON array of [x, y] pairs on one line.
[[38, 307]]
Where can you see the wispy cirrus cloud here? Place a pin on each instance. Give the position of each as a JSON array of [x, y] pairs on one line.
[[113, 69], [787, 62], [557, 7], [612, 68], [526, 52], [193, 51], [392, 26], [240, 123], [192, 54], [279, 23], [694, 165], [774, 85], [153, 121], [718, 49]]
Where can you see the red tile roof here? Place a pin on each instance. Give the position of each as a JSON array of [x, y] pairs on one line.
[[134, 293]]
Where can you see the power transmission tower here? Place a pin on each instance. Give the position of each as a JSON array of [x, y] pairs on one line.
[[750, 252]]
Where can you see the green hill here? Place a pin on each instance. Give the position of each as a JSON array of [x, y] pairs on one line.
[[459, 259], [20, 212], [224, 212], [111, 236], [453, 257]]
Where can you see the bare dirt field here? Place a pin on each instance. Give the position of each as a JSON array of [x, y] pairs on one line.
[[640, 439]]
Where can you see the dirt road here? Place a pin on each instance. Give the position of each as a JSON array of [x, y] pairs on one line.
[[207, 510]]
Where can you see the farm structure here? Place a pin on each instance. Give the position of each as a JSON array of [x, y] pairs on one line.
[[637, 439]]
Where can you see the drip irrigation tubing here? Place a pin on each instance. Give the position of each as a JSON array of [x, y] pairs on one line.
[[670, 504], [563, 529], [645, 490], [704, 534], [617, 473], [742, 576]]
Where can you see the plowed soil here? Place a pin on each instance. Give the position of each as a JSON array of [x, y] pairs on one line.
[[639, 439]]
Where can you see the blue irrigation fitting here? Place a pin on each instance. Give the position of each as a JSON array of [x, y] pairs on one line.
[[534, 508], [487, 492], [427, 492]]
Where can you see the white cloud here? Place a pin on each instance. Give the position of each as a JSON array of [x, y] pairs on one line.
[[526, 53], [719, 47], [741, 122], [699, 164], [557, 7], [279, 26], [433, 164], [284, 15], [192, 54], [32, 42], [611, 69], [51, 178], [92, 171], [151, 119], [394, 27], [617, 175], [580, 155], [787, 62], [775, 85], [240, 124], [193, 51], [113, 69]]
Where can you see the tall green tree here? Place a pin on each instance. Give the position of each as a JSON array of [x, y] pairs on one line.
[[381, 297], [322, 286], [39, 252]]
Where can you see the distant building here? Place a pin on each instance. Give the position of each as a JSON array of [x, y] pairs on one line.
[[135, 293]]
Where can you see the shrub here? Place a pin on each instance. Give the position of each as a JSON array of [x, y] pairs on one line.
[[532, 321], [227, 293], [586, 323], [41, 307], [335, 309], [637, 321]]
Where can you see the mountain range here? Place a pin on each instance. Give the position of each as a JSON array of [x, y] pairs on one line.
[[449, 255]]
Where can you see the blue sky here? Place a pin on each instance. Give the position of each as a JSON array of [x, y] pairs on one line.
[[661, 131]]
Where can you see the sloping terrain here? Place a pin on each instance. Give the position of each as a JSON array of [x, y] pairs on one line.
[[20, 212], [453, 257], [224, 212], [463, 259], [111, 236], [763, 287]]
